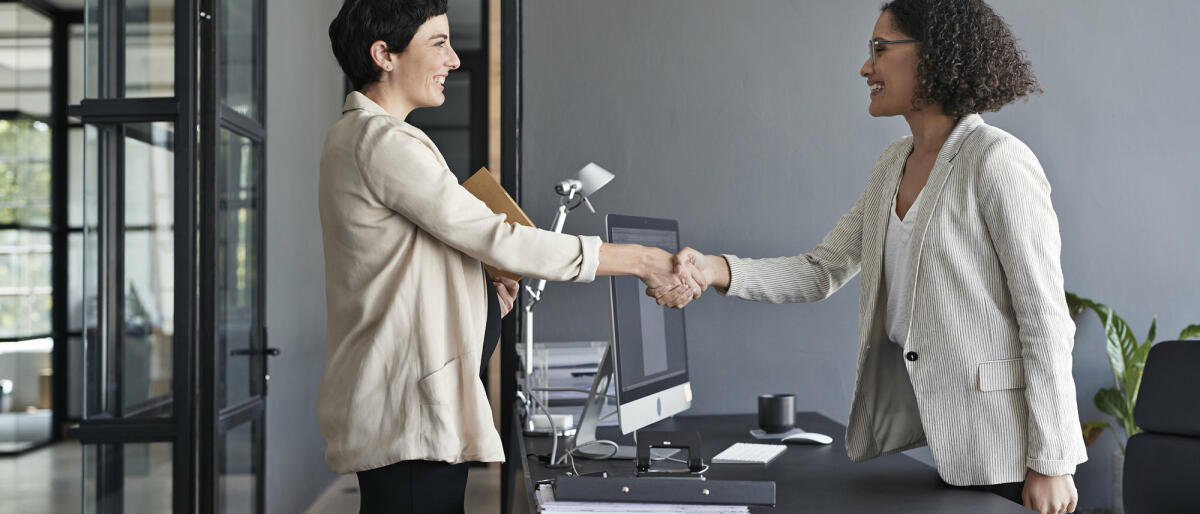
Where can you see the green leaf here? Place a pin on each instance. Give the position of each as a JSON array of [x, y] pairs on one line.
[[1139, 360], [1121, 343], [1153, 328], [1110, 401], [1191, 332], [1121, 337], [1074, 303]]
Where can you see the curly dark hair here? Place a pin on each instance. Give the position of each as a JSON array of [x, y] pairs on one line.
[[969, 59], [360, 23]]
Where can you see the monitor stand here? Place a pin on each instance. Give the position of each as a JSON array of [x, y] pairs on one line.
[[585, 431]]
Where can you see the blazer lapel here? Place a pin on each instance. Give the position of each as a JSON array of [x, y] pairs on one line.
[[874, 232], [943, 167]]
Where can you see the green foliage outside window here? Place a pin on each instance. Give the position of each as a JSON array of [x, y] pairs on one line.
[[25, 172], [25, 255]]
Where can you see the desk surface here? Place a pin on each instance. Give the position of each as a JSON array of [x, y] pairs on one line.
[[809, 478]]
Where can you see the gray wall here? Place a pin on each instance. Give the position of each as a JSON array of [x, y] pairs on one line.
[[304, 97], [747, 122]]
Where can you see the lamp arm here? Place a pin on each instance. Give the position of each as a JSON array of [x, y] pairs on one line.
[[535, 294]]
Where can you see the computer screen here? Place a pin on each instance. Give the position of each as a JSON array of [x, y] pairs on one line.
[[649, 340]]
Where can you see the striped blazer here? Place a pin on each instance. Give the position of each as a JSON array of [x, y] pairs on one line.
[[985, 375]]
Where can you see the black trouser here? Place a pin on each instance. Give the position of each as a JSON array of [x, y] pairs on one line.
[[1012, 490], [413, 486]]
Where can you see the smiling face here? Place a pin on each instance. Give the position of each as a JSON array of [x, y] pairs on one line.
[[892, 77], [421, 69]]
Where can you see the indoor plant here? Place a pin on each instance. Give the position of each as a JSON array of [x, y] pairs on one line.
[[1128, 358]]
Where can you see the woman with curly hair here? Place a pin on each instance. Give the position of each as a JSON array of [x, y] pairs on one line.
[[964, 335]]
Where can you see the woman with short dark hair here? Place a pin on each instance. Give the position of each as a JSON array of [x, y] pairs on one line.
[[411, 317], [964, 335]]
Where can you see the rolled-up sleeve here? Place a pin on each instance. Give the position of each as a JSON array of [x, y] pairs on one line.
[[591, 258], [404, 174]]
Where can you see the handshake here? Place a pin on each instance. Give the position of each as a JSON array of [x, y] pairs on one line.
[[676, 280]]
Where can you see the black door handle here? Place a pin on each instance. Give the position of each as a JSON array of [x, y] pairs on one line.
[[270, 352]]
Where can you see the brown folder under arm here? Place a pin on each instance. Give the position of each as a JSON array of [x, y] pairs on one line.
[[485, 187]]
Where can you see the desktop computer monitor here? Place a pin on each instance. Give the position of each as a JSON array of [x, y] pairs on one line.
[[649, 343]]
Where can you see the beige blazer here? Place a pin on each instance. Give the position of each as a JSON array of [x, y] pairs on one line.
[[985, 376], [404, 294]]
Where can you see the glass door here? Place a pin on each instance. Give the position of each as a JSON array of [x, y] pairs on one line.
[[233, 337], [139, 342], [175, 356]]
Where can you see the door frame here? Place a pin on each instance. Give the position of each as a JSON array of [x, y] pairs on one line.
[[195, 422], [109, 112], [215, 421]]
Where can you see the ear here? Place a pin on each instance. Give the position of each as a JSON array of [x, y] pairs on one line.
[[381, 56]]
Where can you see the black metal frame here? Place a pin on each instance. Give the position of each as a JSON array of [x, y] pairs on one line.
[[510, 178], [59, 218], [215, 421], [109, 110]]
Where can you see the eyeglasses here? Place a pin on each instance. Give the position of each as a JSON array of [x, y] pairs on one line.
[[874, 44]]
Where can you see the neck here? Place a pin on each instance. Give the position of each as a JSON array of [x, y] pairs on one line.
[[930, 128], [393, 103]]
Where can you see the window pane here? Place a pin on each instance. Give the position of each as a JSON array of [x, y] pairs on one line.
[[81, 151], [74, 377], [82, 263], [25, 172], [466, 24], [237, 264], [145, 483], [149, 251], [25, 389], [240, 60], [25, 290], [91, 49], [238, 485], [24, 60], [149, 48], [76, 73]]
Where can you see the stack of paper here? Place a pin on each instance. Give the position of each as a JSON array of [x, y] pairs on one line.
[[547, 503]]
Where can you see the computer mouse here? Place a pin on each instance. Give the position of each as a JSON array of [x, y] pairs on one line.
[[808, 438]]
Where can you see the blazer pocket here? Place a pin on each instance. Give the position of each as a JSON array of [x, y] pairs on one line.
[[1001, 374], [444, 386], [442, 403]]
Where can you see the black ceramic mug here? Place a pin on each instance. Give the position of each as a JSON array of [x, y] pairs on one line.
[[776, 412]]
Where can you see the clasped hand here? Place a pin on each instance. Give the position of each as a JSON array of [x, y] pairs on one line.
[[678, 279]]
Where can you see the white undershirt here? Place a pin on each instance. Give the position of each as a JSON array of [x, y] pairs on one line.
[[895, 268]]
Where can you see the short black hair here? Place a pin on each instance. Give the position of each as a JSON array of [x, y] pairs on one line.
[[969, 59], [360, 23]]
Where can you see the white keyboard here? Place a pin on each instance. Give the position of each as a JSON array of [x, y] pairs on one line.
[[749, 453]]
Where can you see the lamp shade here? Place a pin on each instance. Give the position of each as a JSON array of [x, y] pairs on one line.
[[593, 178]]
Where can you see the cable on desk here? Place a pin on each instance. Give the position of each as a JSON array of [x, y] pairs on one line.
[[553, 429], [568, 390], [615, 448]]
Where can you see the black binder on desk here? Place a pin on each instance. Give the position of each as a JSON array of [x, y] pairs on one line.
[[664, 490]]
